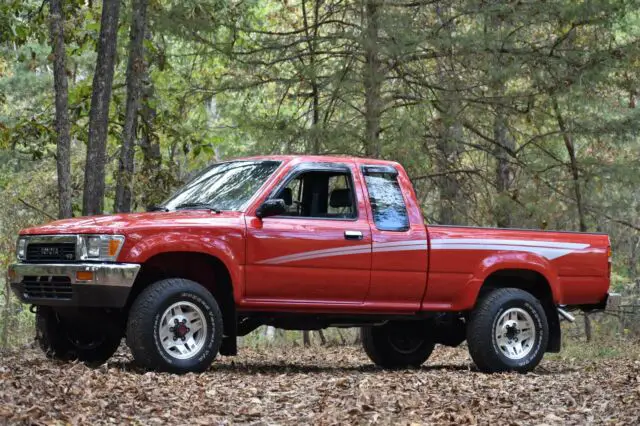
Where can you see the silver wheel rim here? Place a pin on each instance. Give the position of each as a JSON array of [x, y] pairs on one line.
[[183, 330], [515, 333]]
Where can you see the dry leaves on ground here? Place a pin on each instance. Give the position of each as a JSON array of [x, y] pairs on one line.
[[335, 385]]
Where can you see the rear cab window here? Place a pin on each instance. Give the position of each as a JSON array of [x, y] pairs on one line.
[[385, 197]]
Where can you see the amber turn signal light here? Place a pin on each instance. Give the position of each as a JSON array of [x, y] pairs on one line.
[[114, 245], [84, 276]]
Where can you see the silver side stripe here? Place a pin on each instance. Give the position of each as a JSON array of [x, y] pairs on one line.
[[400, 246], [549, 253], [421, 243], [353, 249], [340, 251], [523, 243], [549, 249]]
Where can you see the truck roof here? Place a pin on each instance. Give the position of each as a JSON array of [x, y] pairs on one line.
[[318, 158]]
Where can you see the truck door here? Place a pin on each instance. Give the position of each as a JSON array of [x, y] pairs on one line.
[[399, 251], [320, 250]]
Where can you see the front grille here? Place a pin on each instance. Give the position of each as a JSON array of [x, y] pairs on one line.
[[48, 287], [47, 252]]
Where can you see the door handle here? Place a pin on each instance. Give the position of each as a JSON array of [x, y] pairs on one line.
[[352, 235]]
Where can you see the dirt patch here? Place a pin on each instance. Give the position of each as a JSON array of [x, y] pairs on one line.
[[319, 386]]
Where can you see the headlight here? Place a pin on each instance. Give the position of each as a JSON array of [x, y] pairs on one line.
[[100, 247], [21, 248]]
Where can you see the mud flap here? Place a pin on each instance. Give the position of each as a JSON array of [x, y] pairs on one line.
[[229, 346], [555, 334], [448, 330]]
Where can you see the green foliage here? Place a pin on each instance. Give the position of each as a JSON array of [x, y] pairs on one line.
[[24, 184]]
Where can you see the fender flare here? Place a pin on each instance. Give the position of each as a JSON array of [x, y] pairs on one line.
[[180, 242], [511, 261]]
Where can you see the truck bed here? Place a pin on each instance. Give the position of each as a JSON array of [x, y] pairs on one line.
[[575, 265]]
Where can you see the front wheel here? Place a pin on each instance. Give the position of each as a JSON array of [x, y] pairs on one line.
[[397, 345], [508, 331], [175, 325], [90, 339]]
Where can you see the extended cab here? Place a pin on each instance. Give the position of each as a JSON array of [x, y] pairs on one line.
[[302, 242]]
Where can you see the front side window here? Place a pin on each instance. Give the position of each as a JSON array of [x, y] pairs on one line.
[[320, 194], [225, 186], [387, 204]]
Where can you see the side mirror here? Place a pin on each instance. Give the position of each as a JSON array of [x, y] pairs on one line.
[[271, 208]]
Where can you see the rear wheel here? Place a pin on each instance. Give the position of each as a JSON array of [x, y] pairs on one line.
[[397, 345], [90, 339], [175, 325], [508, 331]]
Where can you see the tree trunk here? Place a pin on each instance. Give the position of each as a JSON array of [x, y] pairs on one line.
[[504, 143], [450, 130], [504, 169], [154, 191], [60, 84], [93, 196], [316, 118], [270, 333], [587, 327], [306, 338], [315, 90], [573, 165], [323, 340], [633, 261], [358, 338], [6, 316], [447, 158], [372, 79], [135, 70]]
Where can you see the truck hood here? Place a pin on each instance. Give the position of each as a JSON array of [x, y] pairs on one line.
[[125, 223]]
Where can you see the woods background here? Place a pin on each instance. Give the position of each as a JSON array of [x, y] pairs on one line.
[[505, 113]]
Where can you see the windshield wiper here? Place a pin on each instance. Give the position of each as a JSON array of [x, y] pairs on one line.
[[196, 206], [157, 209]]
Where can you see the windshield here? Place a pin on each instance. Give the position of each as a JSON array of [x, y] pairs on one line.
[[224, 186]]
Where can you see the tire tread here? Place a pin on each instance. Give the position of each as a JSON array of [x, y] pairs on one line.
[[482, 316], [382, 354], [52, 340], [144, 308]]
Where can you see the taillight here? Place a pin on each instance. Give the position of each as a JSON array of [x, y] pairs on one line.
[[609, 256]]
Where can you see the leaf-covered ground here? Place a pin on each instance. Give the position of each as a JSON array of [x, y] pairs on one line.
[[319, 386]]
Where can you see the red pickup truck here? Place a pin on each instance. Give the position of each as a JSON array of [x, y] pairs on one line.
[[302, 242]]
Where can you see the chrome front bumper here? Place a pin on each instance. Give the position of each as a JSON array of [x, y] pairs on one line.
[[73, 284]]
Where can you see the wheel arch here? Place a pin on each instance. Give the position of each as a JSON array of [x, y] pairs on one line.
[[205, 269], [529, 280], [224, 245], [535, 283]]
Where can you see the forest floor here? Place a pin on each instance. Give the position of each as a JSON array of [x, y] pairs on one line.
[[335, 385]]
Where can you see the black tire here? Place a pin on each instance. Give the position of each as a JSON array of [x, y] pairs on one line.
[[397, 345], [145, 316], [485, 349], [77, 337]]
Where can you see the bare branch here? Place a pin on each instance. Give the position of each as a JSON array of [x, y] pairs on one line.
[[39, 210]]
